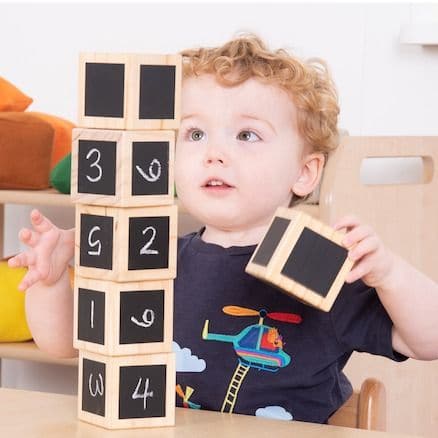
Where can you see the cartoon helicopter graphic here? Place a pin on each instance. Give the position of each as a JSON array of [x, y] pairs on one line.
[[257, 346]]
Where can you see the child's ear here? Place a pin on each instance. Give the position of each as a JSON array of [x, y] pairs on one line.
[[310, 174]]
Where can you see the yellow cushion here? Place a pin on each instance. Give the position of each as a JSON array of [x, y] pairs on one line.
[[11, 98], [13, 325]]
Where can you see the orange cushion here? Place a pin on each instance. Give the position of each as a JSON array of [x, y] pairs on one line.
[[62, 140], [11, 98], [25, 151]]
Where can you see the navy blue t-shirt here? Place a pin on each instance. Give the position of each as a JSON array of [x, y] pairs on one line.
[[280, 358]]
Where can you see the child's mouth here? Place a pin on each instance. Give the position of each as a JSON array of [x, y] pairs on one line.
[[217, 186]]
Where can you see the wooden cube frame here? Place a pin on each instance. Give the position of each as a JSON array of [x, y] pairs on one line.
[[119, 241], [122, 181], [112, 293], [273, 253], [108, 388], [131, 91]]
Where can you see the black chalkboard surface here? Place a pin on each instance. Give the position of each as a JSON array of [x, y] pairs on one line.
[[104, 89], [157, 92], [96, 241], [93, 386], [148, 242], [141, 316], [271, 240], [150, 168], [314, 262], [97, 167], [91, 316], [142, 391]]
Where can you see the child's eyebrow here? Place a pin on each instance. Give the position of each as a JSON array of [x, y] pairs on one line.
[[188, 116], [258, 119]]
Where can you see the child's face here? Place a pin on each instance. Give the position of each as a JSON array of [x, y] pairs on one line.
[[238, 152]]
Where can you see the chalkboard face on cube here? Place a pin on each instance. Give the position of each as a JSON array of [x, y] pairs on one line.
[[91, 316], [93, 386], [149, 241], [315, 262], [96, 241], [271, 240], [150, 168], [97, 167], [142, 391], [141, 316], [104, 89], [157, 92], [303, 257]]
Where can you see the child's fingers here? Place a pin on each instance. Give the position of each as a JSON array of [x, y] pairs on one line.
[[360, 270], [357, 234], [29, 279], [364, 247], [23, 259], [348, 221], [28, 237], [40, 222]]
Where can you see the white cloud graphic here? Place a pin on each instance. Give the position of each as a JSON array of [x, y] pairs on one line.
[[274, 413], [186, 362]]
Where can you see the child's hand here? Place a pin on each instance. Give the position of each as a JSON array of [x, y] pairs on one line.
[[373, 261], [50, 250]]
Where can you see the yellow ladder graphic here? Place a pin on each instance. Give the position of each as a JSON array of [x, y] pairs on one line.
[[233, 388]]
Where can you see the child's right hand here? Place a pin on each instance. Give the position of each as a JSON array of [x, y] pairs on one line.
[[50, 250]]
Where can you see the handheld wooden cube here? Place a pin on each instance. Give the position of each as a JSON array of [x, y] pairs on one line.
[[126, 244], [118, 319], [122, 168], [129, 91], [303, 257], [127, 391]]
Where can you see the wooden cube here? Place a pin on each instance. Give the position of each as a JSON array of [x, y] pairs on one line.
[[126, 244], [303, 257], [117, 319], [122, 168], [127, 391], [129, 91]]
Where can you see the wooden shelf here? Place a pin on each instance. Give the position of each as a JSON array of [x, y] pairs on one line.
[[38, 197], [29, 351]]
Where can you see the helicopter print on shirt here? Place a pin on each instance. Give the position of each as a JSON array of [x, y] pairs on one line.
[[257, 346]]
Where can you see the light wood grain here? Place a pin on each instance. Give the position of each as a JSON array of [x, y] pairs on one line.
[[132, 63], [406, 218], [111, 419], [35, 414], [112, 291], [123, 167], [272, 273], [121, 216], [29, 351]]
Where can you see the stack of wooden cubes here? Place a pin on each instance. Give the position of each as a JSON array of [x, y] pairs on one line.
[[126, 237]]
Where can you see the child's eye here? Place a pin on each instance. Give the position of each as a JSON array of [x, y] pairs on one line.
[[248, 136], [196, 134]]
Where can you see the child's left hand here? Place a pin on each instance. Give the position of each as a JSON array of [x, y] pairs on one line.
[[373, 261]]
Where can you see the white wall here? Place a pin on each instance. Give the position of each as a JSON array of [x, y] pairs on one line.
[[385, 88]]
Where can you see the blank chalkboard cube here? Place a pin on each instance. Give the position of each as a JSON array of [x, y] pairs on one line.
[[118, 319], [129, 91], [122, 168], [303, 257], [127, 391], [126, 244]]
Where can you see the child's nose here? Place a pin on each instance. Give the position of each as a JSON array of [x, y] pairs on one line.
[[215, 154]]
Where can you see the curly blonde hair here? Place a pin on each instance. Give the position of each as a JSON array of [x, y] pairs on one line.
[[308, 82]]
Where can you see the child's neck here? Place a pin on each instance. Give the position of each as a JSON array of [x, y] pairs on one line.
[[227, 238]]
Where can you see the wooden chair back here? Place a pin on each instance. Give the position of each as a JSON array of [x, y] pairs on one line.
[[396, 211], [365, 409]]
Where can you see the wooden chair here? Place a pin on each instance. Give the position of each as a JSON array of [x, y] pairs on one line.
[[365, 409]]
